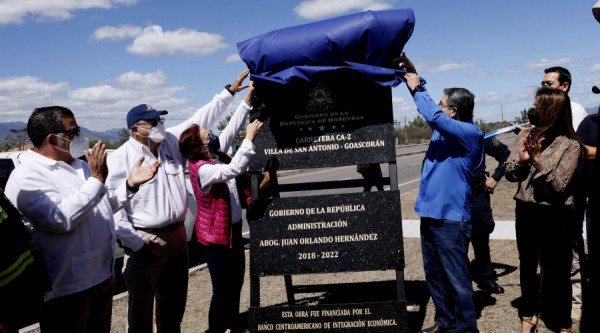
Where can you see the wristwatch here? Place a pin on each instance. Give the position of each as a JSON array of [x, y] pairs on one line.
[[419, 88], [231, 92], [131, 188]]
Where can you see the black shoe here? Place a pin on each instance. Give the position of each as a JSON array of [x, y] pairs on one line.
[[437, 329], [491, 286]]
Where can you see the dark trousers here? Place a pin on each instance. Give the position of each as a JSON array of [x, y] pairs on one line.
[[545, 236], [444, 245], [372, 175], [483, 225], [226, 266], [592, 292], [88, 311], [164, 278]]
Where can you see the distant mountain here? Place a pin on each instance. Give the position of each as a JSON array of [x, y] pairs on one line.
[[6, 127], [111, 134]]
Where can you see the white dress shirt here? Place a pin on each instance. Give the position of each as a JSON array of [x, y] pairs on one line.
[[70, 219], [163, 200], [578, 113]]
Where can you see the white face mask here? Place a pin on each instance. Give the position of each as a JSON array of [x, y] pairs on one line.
[[77, 147], [156, 133]]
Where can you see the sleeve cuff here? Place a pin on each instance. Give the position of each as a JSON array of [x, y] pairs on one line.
[[94, 187], [247, 107], [137, 244], [225, 95]]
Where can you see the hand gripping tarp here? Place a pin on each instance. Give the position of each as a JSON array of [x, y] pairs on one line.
[[367, 42]]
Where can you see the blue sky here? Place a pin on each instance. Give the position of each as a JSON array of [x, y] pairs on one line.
[[100, 58]]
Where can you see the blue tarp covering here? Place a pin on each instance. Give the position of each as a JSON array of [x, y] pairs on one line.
[[366, 42]]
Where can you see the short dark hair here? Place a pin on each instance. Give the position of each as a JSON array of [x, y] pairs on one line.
[[46, 120], [191, 146], [563, 75], [461, 99]]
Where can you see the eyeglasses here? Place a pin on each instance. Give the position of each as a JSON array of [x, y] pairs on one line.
[[73, 132], [444, 106], [154, 122]]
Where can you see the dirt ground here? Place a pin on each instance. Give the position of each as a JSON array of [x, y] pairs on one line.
[[496, 313]]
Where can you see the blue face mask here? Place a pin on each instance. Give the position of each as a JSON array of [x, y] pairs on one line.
[[213, 144]]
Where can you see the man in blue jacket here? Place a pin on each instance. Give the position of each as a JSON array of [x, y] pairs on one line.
[[451, 165]]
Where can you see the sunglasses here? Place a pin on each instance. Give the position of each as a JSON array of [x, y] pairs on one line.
[[154, 122], [71, 132]]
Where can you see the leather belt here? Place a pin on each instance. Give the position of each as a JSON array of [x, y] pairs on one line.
[[168, 227]]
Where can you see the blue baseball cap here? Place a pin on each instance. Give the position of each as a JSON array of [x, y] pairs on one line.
[[142, 112]]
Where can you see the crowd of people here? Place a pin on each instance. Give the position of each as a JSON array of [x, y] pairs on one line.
[[75, 211], [67, 229]]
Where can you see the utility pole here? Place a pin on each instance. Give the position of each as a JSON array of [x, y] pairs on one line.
[[502, 111], [405, 131]]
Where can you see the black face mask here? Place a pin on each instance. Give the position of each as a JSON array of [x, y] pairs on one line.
[[213, 144], [533, 116]]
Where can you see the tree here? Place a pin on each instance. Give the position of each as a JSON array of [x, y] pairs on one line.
[[223, 123], [523, 118], [123, 134], [16, 138], [123, 137], [418, 122], [114, 144], [240, 135]]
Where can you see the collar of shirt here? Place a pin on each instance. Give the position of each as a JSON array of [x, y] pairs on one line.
[[77, 164], [143, 150]]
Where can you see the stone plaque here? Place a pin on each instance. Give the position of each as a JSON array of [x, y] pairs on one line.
[[339, 118], [328, 233], [353, 317]]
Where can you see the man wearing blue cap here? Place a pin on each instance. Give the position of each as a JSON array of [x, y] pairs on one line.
[[150, 227]]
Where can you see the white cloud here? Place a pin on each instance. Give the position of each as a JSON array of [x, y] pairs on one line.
[[116, 33], [21, 86], [153, 41], [403, 110], [18, 11], [19, 95], [451, 67], [595, 68], [509, 70], [400, 104], [234, 57], [103, 93], [480, 75], [318, 9], [98, 107], [134, 79], [491, 96], [544, 63]]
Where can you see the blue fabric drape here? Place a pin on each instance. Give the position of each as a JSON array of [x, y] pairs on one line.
[[366, 42]]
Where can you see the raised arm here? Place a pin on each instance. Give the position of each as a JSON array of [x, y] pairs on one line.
[[207, 116]]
